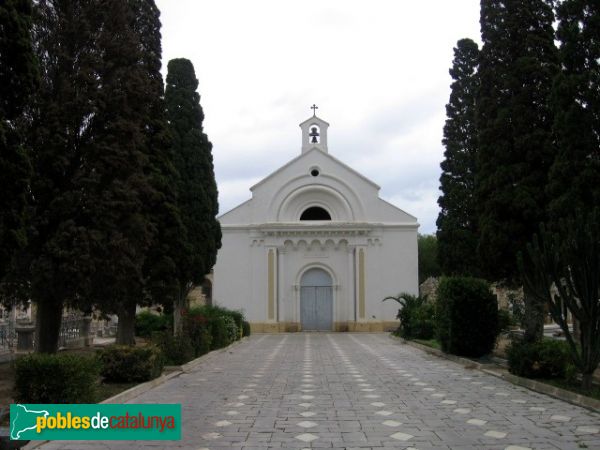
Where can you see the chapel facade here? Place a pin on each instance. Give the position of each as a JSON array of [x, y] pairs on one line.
[[315, 248]]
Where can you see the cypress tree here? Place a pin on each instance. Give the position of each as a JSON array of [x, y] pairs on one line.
[[18, 80], [457, 221], [197, 186], [58, 248], [575, 176], [125, 180], [162, 269], [518, 62]]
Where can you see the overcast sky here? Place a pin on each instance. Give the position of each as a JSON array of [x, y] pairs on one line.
[[378, 71]]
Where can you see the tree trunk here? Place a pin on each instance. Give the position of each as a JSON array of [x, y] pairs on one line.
[[126, 325], [179, 306], [534, 317], [586, 381], [576, 329], [47, 325]]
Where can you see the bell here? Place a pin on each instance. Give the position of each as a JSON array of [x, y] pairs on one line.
[[314, 134]]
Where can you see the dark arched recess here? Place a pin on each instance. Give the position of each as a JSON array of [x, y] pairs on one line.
[[315, 213]]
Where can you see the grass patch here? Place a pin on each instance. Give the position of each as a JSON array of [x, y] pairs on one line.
[[433, 343], [574, 387]]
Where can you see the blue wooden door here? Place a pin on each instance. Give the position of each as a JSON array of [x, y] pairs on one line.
[[316, 301]]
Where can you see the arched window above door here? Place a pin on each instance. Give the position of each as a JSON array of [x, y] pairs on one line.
[[315, 213]]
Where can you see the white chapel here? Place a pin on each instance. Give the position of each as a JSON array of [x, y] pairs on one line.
[[315, 248]]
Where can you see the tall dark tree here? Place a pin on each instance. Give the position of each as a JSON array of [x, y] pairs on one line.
[[197, 186], [162, 268], [575, 176], [131, 204], [518, 62], [57, 250], [457, 222], [18, 80]]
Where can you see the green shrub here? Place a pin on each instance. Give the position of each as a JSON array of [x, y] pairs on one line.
[[225, 325], [543, 359], [409, 303], [60, 378], [147, 323], [245, 329], [121, 363], [202, 341], [232, 329], [238, 319], [466, 316], [176, 350], [416, 317], [423, 321], [220, 332], [196, 328]]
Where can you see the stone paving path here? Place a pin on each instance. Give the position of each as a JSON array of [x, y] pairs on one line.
[[346, 391]]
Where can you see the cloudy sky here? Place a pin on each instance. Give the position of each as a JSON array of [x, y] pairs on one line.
[[378, 71]]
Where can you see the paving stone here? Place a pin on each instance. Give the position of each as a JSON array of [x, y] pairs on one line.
[[397, 414], [495, 434], [391, 423], [306, 437], [223, 423], [402, 436], [559, 418], [477, 422]]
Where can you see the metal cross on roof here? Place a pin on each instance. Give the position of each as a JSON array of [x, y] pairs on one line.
[[314, 108]]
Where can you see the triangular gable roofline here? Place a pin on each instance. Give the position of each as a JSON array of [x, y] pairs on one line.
[[234, 208], [399, 209], [312, 119], [315, 149]]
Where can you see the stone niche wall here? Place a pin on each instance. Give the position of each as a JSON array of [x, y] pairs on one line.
[[428, 288]]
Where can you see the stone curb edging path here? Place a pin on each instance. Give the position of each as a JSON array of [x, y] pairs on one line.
[[543, 388]]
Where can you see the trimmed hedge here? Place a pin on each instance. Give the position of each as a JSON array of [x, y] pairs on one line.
[[225, 325], [121, 363], [543, 359], [466, 316], [204, 328], [57, 378], [245, 329], [220, 327]]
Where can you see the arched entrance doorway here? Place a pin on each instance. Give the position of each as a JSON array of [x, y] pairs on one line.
[[316, 301]]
